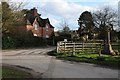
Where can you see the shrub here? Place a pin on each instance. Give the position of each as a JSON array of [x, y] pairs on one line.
[[8, 42]]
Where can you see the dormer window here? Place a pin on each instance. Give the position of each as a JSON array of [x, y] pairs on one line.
[[35, 26]]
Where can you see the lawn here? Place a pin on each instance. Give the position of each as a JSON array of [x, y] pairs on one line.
[[106, 60], [8, 72]]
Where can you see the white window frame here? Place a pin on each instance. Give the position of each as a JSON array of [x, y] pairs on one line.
[[47, 36], [35, 34], [35, 26], [47, 27]]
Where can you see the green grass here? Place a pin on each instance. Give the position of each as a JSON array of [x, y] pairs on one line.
[[116, 46], [107, 60], [86, 56], [8, 72]]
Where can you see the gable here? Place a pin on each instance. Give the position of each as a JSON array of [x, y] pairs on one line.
[[30, 17], [43, 22], [35, 24]]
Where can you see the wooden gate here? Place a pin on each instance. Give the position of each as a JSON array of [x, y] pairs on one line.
[[63, 47]]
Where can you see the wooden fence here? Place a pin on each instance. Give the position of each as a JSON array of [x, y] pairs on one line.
[[63, 47]]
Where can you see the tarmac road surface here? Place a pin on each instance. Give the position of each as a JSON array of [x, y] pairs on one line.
[[50, 67]]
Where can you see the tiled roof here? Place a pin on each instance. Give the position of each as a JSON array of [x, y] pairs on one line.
[[30, 18], [28, 22], [42, 22]]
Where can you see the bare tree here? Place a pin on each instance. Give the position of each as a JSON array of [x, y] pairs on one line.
[[0, 16], [105, 19], [64, 25], [119, 15], [16, 6], [105, 16], [12, 18], [11, 15], [102, 18]]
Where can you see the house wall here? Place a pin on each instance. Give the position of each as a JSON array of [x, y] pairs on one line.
[[29, 27], [38, 31], [41, 31], [49, 32]]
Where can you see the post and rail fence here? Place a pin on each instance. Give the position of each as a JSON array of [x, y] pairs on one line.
[[89, 46], [73, 47]]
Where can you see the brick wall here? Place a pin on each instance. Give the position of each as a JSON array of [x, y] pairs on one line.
[[47, 31], [41, 31]]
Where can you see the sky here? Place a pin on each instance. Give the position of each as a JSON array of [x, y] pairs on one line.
[[68, 10]]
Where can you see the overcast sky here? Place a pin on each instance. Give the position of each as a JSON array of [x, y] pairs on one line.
[[70, 10]]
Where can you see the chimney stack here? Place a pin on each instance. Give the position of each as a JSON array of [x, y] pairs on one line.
[[34, 11]]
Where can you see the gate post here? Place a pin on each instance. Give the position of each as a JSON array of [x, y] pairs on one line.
[[58, 47], [64, 46]]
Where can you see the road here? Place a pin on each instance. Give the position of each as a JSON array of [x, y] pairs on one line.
[[39, 61]]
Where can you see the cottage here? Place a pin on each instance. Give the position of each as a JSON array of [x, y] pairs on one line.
[[39, 27]]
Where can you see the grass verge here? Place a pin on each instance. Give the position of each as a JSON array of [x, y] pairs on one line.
[[106, 60], [8, 72]]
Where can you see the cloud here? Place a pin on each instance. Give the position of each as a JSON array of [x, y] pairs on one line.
[[63, 8], [55, 22], [56, 10]]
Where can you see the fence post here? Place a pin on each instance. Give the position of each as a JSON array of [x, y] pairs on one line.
[[100, 49], [82, 46], [64, 46], [58, 47], [93, 47], [73, 49]]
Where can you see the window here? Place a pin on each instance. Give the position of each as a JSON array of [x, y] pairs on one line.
[[35, 26], [47, 27], [35, 34], [47, 36]]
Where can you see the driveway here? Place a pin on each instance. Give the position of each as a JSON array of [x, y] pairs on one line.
[[50, 67]]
